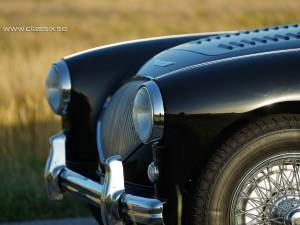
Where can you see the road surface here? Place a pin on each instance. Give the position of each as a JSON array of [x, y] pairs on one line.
[[77, 221]]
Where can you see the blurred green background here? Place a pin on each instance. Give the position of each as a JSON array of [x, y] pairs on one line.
[[25, 119]]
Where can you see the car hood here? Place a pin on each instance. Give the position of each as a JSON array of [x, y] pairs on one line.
[[222, 46]]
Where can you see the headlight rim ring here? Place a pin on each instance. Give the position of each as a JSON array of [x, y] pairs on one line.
[[158, 111], [65, 86]]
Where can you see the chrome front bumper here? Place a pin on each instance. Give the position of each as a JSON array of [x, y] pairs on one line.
[[115, 204]]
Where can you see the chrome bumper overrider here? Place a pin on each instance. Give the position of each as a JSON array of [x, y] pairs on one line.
[[115, 204]]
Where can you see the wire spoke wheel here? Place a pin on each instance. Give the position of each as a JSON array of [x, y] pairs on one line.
[[269, 194]]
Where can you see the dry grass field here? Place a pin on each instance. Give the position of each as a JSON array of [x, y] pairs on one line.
[[25, 119]]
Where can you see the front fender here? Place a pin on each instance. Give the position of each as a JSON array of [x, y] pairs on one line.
[[203, 100], [96, 74]]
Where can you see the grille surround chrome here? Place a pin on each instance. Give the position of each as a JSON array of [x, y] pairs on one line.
[[107, 148], [110, 140]]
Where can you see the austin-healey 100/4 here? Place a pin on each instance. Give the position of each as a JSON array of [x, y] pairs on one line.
[[189, 129]]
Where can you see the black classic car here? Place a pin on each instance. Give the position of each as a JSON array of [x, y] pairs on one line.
[[190, 129]]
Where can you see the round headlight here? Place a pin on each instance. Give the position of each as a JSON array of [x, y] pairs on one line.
[[58, 87], [148, 113], [143, 114]]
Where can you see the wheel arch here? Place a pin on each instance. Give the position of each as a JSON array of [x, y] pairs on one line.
[[289, 107]]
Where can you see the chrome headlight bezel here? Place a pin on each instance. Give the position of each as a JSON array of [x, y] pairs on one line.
[[157, 113], [58, 87]]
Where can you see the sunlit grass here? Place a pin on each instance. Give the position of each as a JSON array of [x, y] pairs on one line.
[[25, 119]]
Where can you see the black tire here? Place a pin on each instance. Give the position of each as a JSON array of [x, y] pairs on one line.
[[214, 189]]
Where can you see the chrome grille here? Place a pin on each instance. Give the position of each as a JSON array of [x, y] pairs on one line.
[[117, 130]]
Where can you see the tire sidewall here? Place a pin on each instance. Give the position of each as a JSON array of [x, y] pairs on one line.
[[240, 163]]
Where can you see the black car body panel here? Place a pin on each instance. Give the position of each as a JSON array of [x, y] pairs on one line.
[[208, 86], [214, 97], [212, 84], [222, 46], [95, 75], [145, 117]]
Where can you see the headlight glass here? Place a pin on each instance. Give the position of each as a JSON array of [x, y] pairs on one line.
[[58, 87], [143, 114], [148, 113]]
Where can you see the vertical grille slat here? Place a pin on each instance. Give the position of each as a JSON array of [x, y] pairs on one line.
[[118, 134]]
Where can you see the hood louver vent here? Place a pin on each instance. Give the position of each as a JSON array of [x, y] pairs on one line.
[[222, 44]]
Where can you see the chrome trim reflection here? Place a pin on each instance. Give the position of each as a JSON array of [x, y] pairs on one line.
[[55, 163], [73, 182], [113, 189], [61, 68], [149, 209], [99, 141], [114, 203], [153, 172], [158, 110]]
